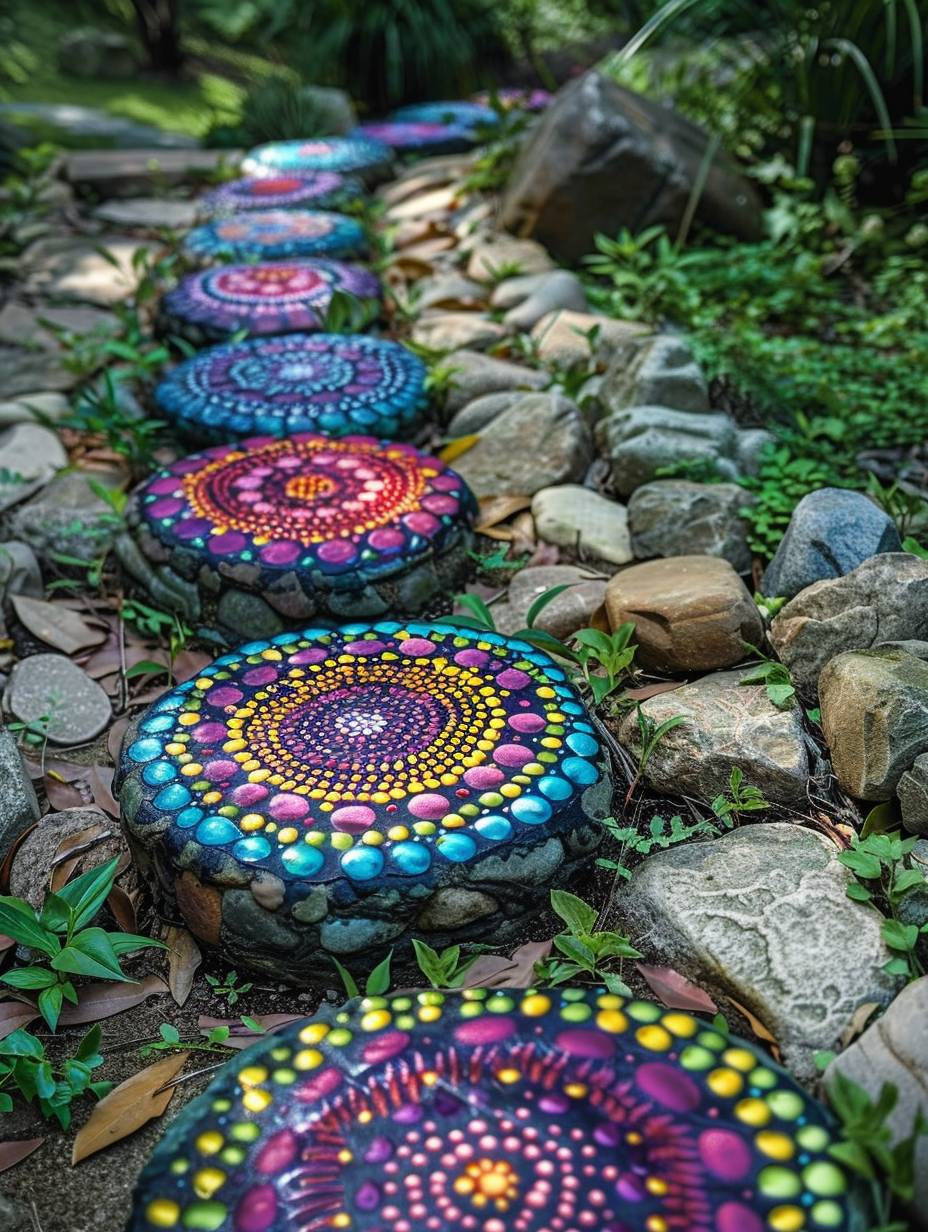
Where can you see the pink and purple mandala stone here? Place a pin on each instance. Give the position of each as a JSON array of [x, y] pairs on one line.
[[271, 297], [561, 1110], [332, 790], [276, 235], [320, 190], [359, 156], [337, 384]]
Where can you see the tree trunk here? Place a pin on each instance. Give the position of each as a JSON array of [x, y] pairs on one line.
[[159, 29]]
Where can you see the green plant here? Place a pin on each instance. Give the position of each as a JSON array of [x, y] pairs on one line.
[[612, 653], [907, 509], [496, 158], [741, 798], [444, 970], [585, 951], [65, 943], [280, 108], [479, 616], [775, 678], [25, 1069], [215, 1039], [661, 833], [228, 988], [650, 734], [867, 1146], [883, 877], [152, 622], [490, 562], [103, 411], [375, 985]]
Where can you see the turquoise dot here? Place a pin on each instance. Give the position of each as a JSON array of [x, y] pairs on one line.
[[301, 859], [145, 750], [584, 773], [457, 848], [213, 831], [554, 787], [255, 847], [362, 863], [159, 772], [572, 708], [531, 810], [580, 742], [254, 648], [189, 817], [494, 827], [158, 723], [172, 798], [412, 857]]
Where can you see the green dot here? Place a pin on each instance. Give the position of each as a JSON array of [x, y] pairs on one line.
[[222, 1105], [491, 799], [786, 1104], [404, 1003], [374, 1003], [339, 1037], [695, 1057], [827, 1215], [643, 1011], [469, 1009], [547, 757], [578, 1012], [825, 1180], [500, 1005], [468, 810], [430, 998], [779, 1183], [205, 1216], [573, 994], [229, 810], [474, 994], [280, 1054], [283, 1077], [245, 1131], [712, 1039], [765, 1079], [179, 1166], [233, 1155], [813, 1137]]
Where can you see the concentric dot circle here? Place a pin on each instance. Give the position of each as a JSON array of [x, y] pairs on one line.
[[420, 136], [308, 504], [320, 190], [279, 386], [458, 113], [346, 155], [372, 751], [270, 235], [558, 1110], [270, 297]]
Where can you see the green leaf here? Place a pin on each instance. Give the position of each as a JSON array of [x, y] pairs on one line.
[[861, 863], [880, 820], [126, 943], [899, 936], [378, 982], [88, 1048], [347, 979], [478, 610], [30, 977], [55, 914], [859, 892], [546, 597], [579, 916], [87, 894], [147, 667], [781, 694], [18, 920], [90, 953], [50, 1006]]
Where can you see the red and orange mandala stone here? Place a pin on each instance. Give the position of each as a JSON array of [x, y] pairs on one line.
[[567, 1110], [321, 190]]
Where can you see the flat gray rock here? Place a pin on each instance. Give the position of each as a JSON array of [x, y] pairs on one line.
[[529, 297], [473, 375], [913, 796], [663, 372], [51, 691], [29, 456], [142, 170], [148, 213], [449, 331], [29, 407], [19, 807], [575, 517], [674, 517], [571, 610], [70, 268], [88, 123], [66, 516], [763, 915]]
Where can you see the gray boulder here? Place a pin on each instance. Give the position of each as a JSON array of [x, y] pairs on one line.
[[674, 517], [831, 532], [529, 297], [89, 53], [575, 517], [473, 375], [602, 158], [571, 610], [663, 372], [913, 796], [66, 517], [19, 807], [474, 417]]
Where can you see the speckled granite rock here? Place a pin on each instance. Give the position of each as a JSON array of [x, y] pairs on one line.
[[673, 517]]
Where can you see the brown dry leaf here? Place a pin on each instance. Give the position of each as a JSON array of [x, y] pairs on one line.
[[189, 663], [62, 795], [652, 690], [55, 625], [100, 779], [114, 737], [70, 852], [545, 554], [675, 990], [494, 971], [457, 447], [123, 909], [12, 1153], [15, 1014], [757, 1026], [239, 1031], [128, 1107], [6, 943], [858, 1023], [10, 856], [496, 509], [105, 999], [183, 959], [523, 534]]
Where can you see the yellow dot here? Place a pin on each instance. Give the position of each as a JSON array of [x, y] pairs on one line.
[[345, 1156], [397, 833], [576, 1090], [429, 1013], [786, 1219], [373, 838], [207, 1181], [252, 1075], [536, 1005], [654, 1185], [209, 1143], [774, 1145], [609, 1001], [739, 1058], [315, 1032], [251, 821], [725, 1082], [341, 1220], [341, 842], [753, 1112], [175, 750], [162, 1213], [510, 789], [508, 1076], [188, 720], [613, 1021], [212, 797], [453, 821], [654, 1037], [376, 1020], [289, 834], [545, 691], [655, 1223], [680, 1024], [192, 769], [257, 1099], [308, 1058]]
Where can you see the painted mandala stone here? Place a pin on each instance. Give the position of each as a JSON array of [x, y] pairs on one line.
[[271, 235], [320, 190], [245, 540], [271, 297], [460, 114], [360, 156], [332, 383], [336, 792], [420, 136], [561, 1110]]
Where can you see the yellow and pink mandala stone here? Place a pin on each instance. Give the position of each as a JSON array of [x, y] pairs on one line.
[[328, 792], [562, 1110]]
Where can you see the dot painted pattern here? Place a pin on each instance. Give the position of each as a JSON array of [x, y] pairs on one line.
[[420, 136], [320, 190], [346, 155], [307, 504], [279, 386], [272, 235], [371, 752], [559, 1110], [272, 297], [461, 114]]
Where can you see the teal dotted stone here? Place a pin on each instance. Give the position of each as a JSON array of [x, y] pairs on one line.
[[173, 797], [159, 772], [494, 828], [581, 772], [144, 750], [412, 857], [301, 859], [554, 787], [252, 848], [362, 863], [457, 847]]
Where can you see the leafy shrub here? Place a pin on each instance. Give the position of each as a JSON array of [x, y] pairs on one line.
[[277, 109]]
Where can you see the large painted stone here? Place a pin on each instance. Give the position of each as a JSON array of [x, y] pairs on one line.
[[319, 190], [360, 156], [332, 383], [298, 528], [329, 785], [420, 136], [276, 235], [529, 1111], [272, 297], [457, 112]]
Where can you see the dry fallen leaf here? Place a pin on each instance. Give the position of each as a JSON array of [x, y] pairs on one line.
[[242, 1036], [183, 959], [858, 1023], [71, 850], [114, 738], [15, 1014], [496, 509], [652, 690], [105, 999], [123, 909], [12, 1153], [128, 1107], [458, 446], [494, 971], [675, 990], [100, 779], [757, 1027], [56, 625], [62, 795]]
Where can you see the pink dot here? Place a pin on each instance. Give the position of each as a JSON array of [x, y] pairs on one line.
[[285, 552], [260, 675], [440, 504], [319, 1086], [485, 1030], [278, 1152], [248, 794], [353, 819], [483, 777], [336, 551], [525, 723], [429, 806], [163, 487], [288, 807], [257, 1210], [512, 678], [385, 540], [364, 648], [471, 658], [418, 647], [227, 544], [512, 755], [580, 1042], [209, 733], [421, 523], [733, 1217], [219, 771], [315, 654], [192, 528], [668, 1086], [725, 1154], [385, 1047], [166, 507], [225, 695]]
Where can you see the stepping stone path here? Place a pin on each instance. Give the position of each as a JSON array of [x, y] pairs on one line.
[[275, 235], [361, 156], [335, 792], [536, 1110], [450, 113], [273, 532], [321, 190], [420, 136], [272, 297], [333, 383]]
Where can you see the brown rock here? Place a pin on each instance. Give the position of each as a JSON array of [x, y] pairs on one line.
[[496, 255], [692, 613], [201, 907], [563, 337]]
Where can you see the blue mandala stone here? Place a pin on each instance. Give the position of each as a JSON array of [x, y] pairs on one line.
[[276, 235], [268, 297], [393, 771], [368, 160], [319, 190], [420, 136], [459, 114], [336, 384]]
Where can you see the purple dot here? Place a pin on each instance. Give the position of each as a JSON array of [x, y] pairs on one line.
[[429, 806], [379, 1151], [725, 1154], [165, 508], [512, 678], [277, 1153], [485, 1030], [227, 544], [248, 794], [336, 551], [482, 778], [471, 658], [284, 552], [733, 1217], [512, 755], [554, 1105], [257, 1210], [630, 1188], [668, 1086], [163, 487], [440, 504], [209, 733], [364, 648], [219, 771], [192, 528], [580, 1042], [315, 654], [367, 1196], [353, 819], [386, 1047], [418, 647], [225, 695], [288, 807], [260, 675], [525, 723], [421, 523], [386, 540]]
